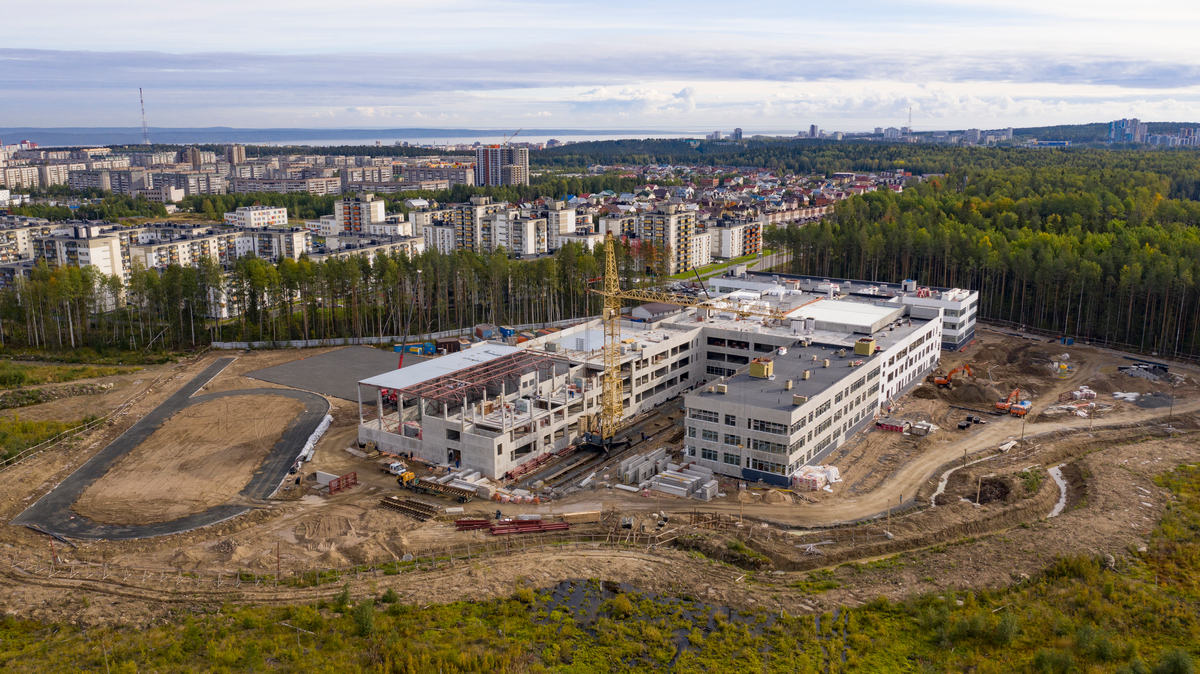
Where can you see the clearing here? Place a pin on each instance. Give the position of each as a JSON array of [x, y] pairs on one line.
[[200, 458]]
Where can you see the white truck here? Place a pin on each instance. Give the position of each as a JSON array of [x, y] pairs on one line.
[[394, 468]]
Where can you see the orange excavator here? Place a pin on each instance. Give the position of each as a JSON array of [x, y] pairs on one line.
[[945, 381], [1014, 405], [1006, 404]]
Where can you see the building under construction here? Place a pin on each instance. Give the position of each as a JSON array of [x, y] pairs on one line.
[[764, 396]]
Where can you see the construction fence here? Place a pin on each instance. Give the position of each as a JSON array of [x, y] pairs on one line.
[[386, 339]]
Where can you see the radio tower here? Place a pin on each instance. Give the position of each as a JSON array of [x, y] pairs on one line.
[[910, 130], [146, 129]]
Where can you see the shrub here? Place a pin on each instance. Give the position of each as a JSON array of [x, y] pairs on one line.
[[364, 617], [390, 597]]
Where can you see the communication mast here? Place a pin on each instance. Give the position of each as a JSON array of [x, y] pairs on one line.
[[910, 129], [145, 129]]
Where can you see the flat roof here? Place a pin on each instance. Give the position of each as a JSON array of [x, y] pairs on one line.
[[441, 366], [770, 394]]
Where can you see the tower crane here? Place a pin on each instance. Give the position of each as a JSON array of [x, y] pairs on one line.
[[612, 410], [508, 139]]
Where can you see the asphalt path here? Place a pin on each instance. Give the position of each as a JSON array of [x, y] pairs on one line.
[[53, 511]]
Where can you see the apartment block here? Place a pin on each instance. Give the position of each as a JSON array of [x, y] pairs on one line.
[[20, 177], [360, 213], [441, 238], [501, 165], [192, 182], [453, 174], [257, 216], [670, 229], [287, 185]]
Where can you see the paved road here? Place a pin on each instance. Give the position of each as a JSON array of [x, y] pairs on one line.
[[53, 511]]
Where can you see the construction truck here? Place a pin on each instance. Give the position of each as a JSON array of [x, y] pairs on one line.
[[1020, 409], [406, 479], [430, 486], [394, 468], [944, 382]]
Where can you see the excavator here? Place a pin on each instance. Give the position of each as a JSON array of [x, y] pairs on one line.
[[1014, 405], [944, 382]]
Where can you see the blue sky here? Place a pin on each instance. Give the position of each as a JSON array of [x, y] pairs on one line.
[[763, 66]]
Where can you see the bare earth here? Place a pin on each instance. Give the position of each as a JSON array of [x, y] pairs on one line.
[[200, 458]]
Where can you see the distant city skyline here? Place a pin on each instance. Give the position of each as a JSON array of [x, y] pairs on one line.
[[672, 66]]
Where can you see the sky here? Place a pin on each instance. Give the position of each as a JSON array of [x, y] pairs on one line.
[[765, 66]]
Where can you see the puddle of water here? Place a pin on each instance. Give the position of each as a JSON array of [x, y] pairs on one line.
[[1056, 473], [584, 599]]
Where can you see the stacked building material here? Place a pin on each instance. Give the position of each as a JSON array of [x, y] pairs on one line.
[[472, 524], [638, 469], [509, 527]]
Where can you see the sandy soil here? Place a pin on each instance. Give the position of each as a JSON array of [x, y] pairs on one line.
[[1110, 468], [201, 457]]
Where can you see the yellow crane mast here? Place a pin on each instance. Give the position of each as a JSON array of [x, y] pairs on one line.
[[612, 411]]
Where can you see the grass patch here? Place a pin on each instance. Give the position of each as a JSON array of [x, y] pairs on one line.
[[14, 374], [17, 435], [1032, 479]]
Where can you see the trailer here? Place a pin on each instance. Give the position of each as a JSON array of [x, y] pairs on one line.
[[428, 486]]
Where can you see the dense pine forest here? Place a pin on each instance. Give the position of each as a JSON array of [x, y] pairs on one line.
[[1099, 254], [1097, 244]]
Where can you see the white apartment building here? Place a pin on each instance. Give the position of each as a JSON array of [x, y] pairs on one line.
[[360, 213], [560, 221], [257, 216], [439, 237]]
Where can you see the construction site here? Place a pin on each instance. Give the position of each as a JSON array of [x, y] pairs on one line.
[[277, 476]]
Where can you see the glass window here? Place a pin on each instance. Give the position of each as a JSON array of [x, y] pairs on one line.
[[705, 415], [708, 454], [731, 459], [734, 440], [711, 436], [730, 420]]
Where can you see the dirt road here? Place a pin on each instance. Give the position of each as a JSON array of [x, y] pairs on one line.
[[908, 478]]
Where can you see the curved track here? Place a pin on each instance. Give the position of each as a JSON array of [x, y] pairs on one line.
[[53, 511]]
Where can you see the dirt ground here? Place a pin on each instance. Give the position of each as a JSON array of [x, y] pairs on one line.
[[1109, 462], [201, 457]]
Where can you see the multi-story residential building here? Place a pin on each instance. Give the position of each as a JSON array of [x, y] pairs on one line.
[[257, 216], [501, 165], [127, 181], [519, 233], [1127, 131], [58, 174], [468, 222], [364, 174], [235, 154], [362, 213], [560, 222], [20, 176], [736, 238], [287, 185], [148, 159], [86, 244], [90, 153], [193, 182], [371, 246], [619, 225], [440, 237], [453, 174], [670, 229]]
